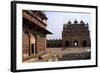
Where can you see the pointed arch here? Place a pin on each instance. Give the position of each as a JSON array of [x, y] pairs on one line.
[[75, 43], [67, 44], [84, 43]]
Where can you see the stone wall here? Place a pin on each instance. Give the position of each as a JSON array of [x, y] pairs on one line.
[[54, 43], [41, 43]]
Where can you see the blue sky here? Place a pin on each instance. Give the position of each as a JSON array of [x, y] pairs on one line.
[[57, 19]]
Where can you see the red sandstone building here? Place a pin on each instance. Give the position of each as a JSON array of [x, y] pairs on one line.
[[34, 33], [76, 34]]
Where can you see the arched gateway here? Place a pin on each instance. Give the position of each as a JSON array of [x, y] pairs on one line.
[[76, 33], [67, 44]]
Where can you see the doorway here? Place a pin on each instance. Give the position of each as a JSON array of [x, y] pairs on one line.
[[75, 43], [67, 44], [33, 44], [32, 48], [84, 43]]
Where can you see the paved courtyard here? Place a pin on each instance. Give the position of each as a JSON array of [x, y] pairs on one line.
[[67, 50], [59, 54]]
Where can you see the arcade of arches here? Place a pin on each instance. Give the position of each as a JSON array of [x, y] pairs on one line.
[[76, 34], [75, 44], [29, 44]]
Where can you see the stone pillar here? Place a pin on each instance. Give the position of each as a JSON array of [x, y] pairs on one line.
[[41, 43]]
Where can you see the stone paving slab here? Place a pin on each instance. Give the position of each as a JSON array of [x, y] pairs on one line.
[[57, 53]]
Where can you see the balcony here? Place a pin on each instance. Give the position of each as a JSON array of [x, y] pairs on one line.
[[34, 20]]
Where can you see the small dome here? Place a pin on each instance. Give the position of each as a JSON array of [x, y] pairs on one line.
[[87, 24], [69, 22], [81, 22], [75, 21]]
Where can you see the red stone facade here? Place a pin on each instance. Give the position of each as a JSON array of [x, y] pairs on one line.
[[76, 34], [34, 32]]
